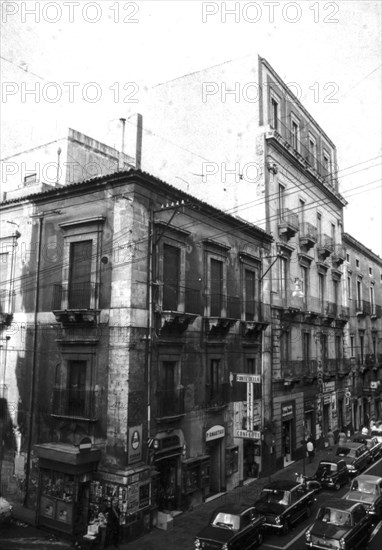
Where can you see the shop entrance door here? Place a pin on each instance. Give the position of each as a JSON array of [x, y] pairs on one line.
[[287, 441], [168, 483], [214, 450]]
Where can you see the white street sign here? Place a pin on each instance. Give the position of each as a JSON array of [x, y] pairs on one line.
[[249, 378], [248, 434]]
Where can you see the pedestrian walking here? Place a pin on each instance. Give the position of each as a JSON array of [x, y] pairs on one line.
[[342, 437], [310, 449], [112, 527], [330, 438]]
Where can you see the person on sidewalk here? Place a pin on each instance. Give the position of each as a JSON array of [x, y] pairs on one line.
[[310, 449], [342, 437], [330, 438]]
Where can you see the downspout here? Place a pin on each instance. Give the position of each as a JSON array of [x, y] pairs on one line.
[[34, 356], [149, 319]]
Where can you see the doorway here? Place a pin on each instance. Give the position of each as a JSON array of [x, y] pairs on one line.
[[214, 450], [287, 441], [168, 483]]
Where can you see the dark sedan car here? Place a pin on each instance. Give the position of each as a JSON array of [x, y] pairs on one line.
[[367, 489], [232, 528], [339, 524], [284, 503], [372, 443], [356, 455], [332, 473]]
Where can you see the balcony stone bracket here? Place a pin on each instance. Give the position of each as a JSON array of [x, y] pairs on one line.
[[77, 316], [175, 322], [252, 329], [218, 326]]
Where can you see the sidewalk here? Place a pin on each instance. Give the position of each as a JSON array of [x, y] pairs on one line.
[[179, 537]]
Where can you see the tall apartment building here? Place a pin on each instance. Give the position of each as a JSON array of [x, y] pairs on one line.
[[131, 333], [363, 344], [235, 135]]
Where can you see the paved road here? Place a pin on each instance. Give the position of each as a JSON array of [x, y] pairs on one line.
[[181, 536]]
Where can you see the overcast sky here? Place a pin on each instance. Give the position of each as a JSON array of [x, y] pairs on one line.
[[330, 51]]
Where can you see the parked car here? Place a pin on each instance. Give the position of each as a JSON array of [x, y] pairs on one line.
[[5, 511], [377, 432], [284, 503], [332, 473], [367, 489], [232, 528], [372, 443], [356, 455], [339, 524]]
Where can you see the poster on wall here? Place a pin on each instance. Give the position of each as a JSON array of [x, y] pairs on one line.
[[134, 452]]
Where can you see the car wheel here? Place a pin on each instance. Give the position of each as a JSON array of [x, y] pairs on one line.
[[337, 486], [286, 527]]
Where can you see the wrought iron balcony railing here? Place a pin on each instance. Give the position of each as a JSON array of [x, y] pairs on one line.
[[75, 296], [170, 402], [217, 395], [75, 403]]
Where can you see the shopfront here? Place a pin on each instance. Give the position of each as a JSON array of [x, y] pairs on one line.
[[309, 419], [168, 450]]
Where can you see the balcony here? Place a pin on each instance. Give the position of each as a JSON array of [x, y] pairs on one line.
[[225, 311], [75, 404], [375, 312], [361, 308], [308, 236], [170, 404], [288, 223], [292, 371], [338, 255], [217, 397], [325, 246], [74, 304], [291, 143]]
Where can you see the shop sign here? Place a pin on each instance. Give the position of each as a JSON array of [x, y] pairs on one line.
[[85, 444], [327, 399], [134, 453], [216, 432], [287, 410], [249, 378], [329, 387], [248, 434]]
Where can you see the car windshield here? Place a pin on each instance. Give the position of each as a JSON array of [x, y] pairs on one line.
[[227, 521], [366, 487], [275, 495], [326, 468], [345, 451], [335, 517]]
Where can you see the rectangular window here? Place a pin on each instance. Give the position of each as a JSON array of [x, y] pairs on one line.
[[372, 302], [216, 380], [80, 265], [374, 343], [250, 295], [168, 398], [338, 347], [252, 366], [348, 258], [370, 271], [312, 152], [361, 347], [357, 262], [306, 349], [336, 294], [216, 288], [352, 346], [274, 114], [326, 166], [284, 347], [77, 388], [283, 277], [319, 225], [349, 287], [324, 350], [281, 201], [4, 281], [321, 288], [171, 274], [295, 135], [305, 282], [333, 233], [359, 295]]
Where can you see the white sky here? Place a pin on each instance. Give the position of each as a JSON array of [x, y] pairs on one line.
[[333, 52]]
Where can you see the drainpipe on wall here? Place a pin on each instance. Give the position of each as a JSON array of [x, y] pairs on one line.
[[34, 356]]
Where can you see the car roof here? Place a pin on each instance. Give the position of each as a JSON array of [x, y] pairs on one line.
[[235, 509], [333, 459], [339, 503], [368, 477], [283, 484], [350, 445]]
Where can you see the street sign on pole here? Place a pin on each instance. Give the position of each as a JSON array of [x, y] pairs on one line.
[[249, 406], [248, 434], [249, 378]]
